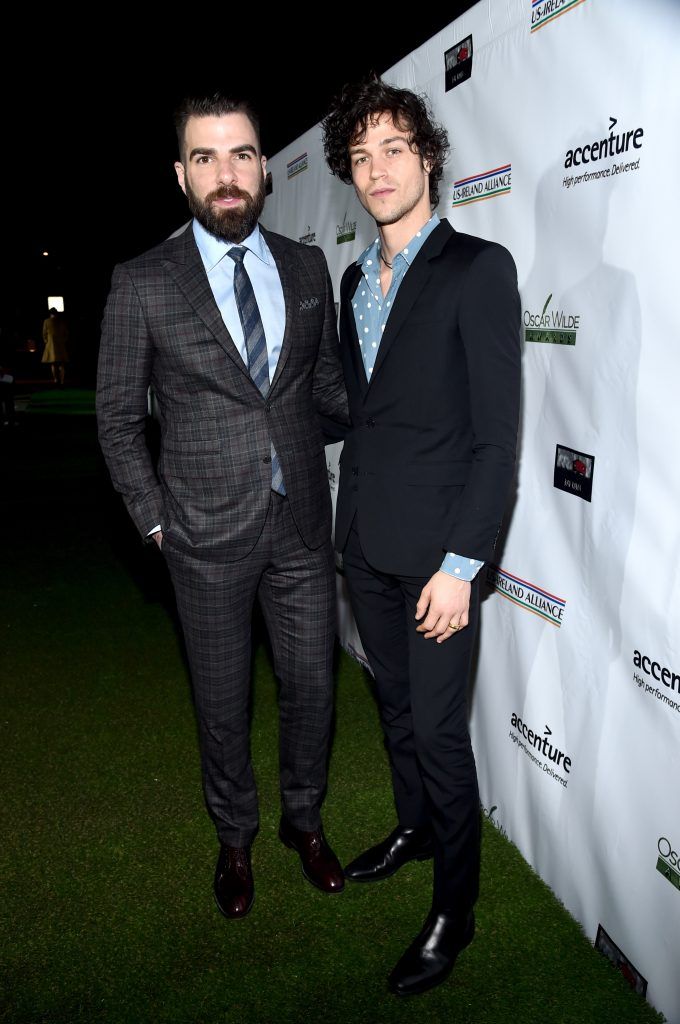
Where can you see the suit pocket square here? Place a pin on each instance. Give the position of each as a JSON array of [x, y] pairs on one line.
[[309, 303]]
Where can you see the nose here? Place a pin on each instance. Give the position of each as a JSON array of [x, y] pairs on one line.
[[377, 168], [226, 173]]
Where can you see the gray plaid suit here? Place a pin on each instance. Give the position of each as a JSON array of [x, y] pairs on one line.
[[227, 538]]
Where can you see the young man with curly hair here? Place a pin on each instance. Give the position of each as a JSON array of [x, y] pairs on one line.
[[429, 335]]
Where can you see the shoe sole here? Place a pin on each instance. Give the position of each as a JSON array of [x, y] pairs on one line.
[[418, 990], [330, 892], [389, 874]]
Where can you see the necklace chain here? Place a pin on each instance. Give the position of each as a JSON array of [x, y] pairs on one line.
[[388, 265]]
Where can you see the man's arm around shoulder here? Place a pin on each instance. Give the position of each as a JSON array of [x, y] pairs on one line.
[[330, 395]]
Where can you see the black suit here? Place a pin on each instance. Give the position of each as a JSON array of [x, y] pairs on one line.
[[227, 538], [426, 470]]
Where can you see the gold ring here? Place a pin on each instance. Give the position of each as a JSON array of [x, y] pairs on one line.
[[453, 626]]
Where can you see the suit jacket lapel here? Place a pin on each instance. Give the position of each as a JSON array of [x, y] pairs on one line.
[[353, 279], [184, 264], [286, 261], [409, 290]]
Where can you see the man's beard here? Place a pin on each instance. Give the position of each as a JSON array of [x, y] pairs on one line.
[[233, 225]]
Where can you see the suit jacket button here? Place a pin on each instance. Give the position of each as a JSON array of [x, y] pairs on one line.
[[370, 422], [268, 407], [267, 458], [355, 471]]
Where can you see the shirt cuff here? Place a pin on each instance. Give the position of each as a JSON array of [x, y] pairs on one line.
[[460, 567]]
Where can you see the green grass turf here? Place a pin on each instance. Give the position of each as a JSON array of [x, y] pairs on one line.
[[62, 402], [107, 855]]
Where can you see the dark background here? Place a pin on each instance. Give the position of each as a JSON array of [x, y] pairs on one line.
[[89, 143]]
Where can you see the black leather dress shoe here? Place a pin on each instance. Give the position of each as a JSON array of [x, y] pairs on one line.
[[383, 860], [234, 888], [431, 956], [320, 866]]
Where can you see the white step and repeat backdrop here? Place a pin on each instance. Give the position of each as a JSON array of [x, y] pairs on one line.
[[565, 121]]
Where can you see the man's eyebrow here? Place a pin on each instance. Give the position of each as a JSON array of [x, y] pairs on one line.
[[208, 151], [383, 142]]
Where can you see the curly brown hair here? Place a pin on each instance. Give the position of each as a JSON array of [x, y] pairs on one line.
[[362, 104]]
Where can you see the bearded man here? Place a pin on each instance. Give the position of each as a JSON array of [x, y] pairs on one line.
[[234, 328]]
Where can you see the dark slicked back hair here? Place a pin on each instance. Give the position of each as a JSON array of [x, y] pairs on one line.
[[216, 105], [361, 104]]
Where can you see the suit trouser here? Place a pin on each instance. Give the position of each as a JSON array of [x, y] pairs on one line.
[[296, 590], [422, 692]]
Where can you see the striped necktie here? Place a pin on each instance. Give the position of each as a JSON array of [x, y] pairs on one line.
[[256, 342]]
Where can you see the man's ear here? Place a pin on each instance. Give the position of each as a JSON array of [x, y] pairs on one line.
[[181, 178]]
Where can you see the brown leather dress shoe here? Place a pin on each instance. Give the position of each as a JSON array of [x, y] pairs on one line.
[[320, 866], [234, 888]]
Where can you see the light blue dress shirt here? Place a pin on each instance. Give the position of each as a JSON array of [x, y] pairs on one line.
[[264, 277], [371, 313]]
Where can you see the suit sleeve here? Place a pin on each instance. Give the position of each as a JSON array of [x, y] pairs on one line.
[[490, 329], [123, 378], [330, 394]]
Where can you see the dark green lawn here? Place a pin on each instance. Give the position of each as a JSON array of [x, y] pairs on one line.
[[107, 854]]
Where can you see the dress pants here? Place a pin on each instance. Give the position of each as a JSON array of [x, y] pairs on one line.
[[296, 590], [422, 692]]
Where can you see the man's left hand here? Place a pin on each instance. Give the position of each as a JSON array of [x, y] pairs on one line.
[[447, 602]]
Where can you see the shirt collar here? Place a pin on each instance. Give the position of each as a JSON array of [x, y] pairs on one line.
[[214, 249], [370, 256]]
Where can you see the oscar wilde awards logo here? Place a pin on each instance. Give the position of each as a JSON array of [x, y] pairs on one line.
[[483, 185], [296, 166], [541, 750], [667, 862], [545, 11], [626, 141], [345, 232], [650, 673], [526, 595], [551, 327]]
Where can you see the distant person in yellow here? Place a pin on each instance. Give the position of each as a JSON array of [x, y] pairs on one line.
[[55, 336]]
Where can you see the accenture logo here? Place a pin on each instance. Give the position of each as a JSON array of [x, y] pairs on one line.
[[529, 740], [526, 595], [485, 185], [611, 145], [650, 674], [309, 238]]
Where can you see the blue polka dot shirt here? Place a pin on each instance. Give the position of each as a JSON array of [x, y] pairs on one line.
[[371, 312]]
